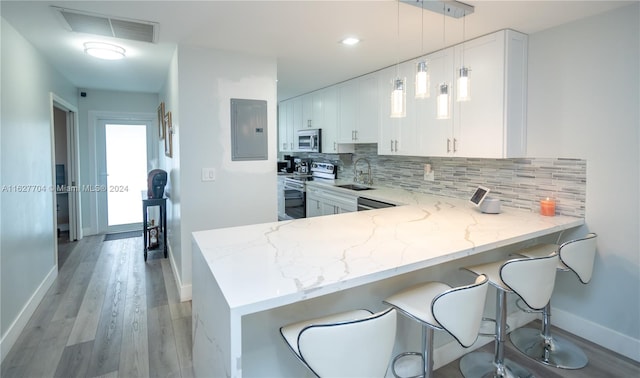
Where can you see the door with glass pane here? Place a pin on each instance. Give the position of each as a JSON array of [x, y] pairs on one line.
[[124, 175]]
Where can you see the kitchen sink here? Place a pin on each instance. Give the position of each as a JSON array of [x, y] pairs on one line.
[[354, 187]]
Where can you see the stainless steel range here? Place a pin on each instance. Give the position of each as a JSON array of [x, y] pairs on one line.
[[295, 201]]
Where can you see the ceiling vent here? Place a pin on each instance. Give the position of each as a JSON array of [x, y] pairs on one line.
[[136, 30]]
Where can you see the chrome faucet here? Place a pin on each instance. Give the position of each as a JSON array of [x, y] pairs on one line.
[[359, 177]]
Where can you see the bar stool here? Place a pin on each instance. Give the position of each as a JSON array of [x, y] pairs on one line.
[[349, 344], [436, 305], [532, 280], [577, 256]]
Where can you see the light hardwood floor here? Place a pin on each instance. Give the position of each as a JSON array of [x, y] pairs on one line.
[[110, 314]]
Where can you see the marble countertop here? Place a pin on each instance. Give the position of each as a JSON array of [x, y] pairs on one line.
[[267, 265]]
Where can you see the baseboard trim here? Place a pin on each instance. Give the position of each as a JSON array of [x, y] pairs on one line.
[[19, 324], [596, 333], [184, 291]]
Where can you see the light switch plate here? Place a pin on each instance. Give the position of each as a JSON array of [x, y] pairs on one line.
[[208, 174]]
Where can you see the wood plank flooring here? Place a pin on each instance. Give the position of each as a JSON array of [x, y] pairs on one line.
[[110, 314]]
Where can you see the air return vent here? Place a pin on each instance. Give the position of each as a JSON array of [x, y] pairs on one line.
[[136, 30]]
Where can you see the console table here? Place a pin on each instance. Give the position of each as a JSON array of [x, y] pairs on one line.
[[162, 203]]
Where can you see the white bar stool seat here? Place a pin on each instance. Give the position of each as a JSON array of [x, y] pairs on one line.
[[532, 280], [436, 305], [577, 256], [349, 344]]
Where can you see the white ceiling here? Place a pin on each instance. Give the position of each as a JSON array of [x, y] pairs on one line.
[[302, 35]]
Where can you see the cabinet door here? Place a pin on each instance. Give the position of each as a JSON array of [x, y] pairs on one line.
[[478, 123], [296, 120], [434, 136], [347, 111], [307, 112], [314, 208], [367, 122], [285, 126], [396, 136], [330, 143]]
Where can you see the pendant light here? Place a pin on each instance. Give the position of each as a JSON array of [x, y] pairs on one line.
[[464, 84], [442, 100], [423, 81], [398, 87]]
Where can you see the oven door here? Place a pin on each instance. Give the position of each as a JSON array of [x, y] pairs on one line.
[[294, 199]]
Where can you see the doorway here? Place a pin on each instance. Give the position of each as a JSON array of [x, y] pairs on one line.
[[123, 151], [65, 160]]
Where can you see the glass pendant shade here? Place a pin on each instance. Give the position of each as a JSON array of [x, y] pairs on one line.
[[422, 80], [464, 85], [442, 110], [398, 99]]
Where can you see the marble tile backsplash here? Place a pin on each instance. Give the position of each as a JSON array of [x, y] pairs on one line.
[[519, 183]]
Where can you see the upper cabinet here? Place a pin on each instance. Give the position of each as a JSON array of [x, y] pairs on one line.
[[493, 123], [358, 110]]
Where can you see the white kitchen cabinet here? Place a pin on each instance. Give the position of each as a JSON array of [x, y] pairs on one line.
[[330, 143], [357, 110], [312, 110], [325, 201], [434, 137], [493, 123], [396, 136], [285, 126]]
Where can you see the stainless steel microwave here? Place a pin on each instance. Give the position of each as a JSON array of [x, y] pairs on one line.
[[309, 140]]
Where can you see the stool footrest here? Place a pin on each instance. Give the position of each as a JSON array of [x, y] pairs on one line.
[[492, 334], [525, 308], [402, 355]]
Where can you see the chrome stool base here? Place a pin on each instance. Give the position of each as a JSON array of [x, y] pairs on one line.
[[479, 364], [560, 353]]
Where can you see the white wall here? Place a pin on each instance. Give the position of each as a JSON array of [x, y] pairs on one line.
[[243, 192], [104, 102], [27, 235], [584, 102]]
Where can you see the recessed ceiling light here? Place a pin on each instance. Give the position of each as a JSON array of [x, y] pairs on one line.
[[104, 50], [350, 41]]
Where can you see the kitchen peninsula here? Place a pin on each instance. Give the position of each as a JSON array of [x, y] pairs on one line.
[[250, 280]]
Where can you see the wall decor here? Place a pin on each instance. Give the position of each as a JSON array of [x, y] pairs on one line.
[[168, 135], [161, 125]]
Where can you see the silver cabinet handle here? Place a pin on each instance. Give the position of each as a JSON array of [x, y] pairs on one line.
[[448, 145], [356, 134], [455, 142], [396, 145], [391, 145], [335, 146]]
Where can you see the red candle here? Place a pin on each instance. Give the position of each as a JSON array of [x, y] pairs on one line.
[[548, 207]]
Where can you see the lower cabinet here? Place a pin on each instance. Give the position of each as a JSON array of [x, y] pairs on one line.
[[321, 201]]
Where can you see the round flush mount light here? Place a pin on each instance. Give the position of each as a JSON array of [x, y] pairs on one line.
[[104, 50], [350, 41]]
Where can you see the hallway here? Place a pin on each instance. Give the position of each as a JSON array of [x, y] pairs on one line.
[[107, 314]]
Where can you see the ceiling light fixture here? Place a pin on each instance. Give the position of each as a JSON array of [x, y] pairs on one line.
[[398, 87], [423, 81], [104, 50], [350, 41]]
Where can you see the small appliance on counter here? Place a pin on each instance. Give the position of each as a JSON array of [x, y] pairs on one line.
[[156, 181], [302, 166], [486, 204], [290, 164]]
